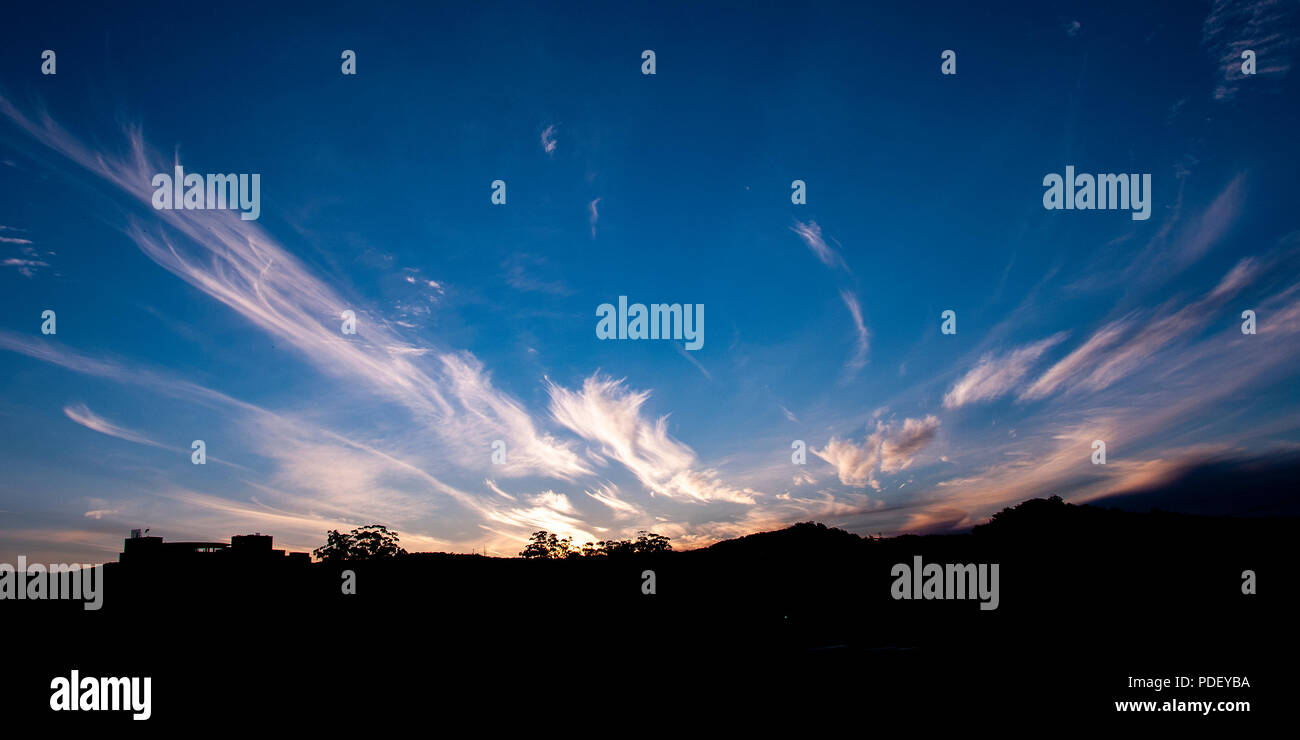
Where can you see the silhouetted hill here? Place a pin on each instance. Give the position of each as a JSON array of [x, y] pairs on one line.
[[803, 537], [1258, 486], [1087, 596], [1052, 518]]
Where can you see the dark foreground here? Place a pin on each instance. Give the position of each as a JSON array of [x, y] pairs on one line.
[[797, 625]]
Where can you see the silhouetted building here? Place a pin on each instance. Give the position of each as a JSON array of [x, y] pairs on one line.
[[256, 548]]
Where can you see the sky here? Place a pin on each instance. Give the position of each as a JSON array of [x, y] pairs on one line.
[[476, 321]]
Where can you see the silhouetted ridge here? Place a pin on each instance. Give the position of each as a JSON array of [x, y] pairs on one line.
[[802, 606], [1054, 519], [1262, 485], [804, 537]]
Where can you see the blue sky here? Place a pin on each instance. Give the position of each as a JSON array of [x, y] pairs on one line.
[[476, 321]]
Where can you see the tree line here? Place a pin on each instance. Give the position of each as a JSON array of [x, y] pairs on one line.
[[377, 542], [371, 542], [548, 546]]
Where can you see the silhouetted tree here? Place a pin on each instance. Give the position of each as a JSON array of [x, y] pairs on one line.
[[545, 545], [648, 542], [374, 542], [371, 542], [615, 548], [336, 547]]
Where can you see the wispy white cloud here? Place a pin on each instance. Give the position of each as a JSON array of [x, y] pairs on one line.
[[100, 513], [1155, 335], [548, 511], [1266, 27], [548, 139], [82, 415], [497, 490], [690, 357], [489, 412], [1176, 379], [1182, 240], [12, 239], [886, 449], [314, 464], [861, 338], [239, 264], [1211, 227], [605, 411], [854, 464], [811, 234], [25, 267], [1080, 359], [1242, 274], [610, 496], [897, 451], [29, 261], [90, 420], [995, 376]]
